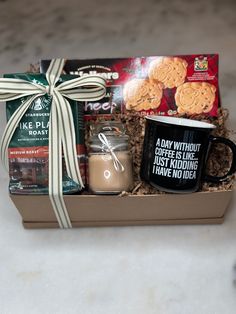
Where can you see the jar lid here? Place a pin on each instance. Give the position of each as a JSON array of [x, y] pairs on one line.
[[114, 133], [108, 128]]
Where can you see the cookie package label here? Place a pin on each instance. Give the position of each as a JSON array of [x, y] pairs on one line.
[[163, 85]]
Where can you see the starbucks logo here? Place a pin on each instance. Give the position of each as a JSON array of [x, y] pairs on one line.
[[40, 103]]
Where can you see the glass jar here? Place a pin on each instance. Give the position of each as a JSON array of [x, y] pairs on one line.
[[109, 160]]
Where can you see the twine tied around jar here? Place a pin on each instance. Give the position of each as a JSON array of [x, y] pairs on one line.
[[117, 164]]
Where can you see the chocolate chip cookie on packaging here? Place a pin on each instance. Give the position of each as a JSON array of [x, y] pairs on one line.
[[170, 71], [142, 94], [195, 97]]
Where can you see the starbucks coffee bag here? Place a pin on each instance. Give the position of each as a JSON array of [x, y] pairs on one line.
[[28, 149]]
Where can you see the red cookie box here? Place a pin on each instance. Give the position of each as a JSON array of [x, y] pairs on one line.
[[118, 71]]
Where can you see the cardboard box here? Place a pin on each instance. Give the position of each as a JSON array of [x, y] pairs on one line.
[[92, 210]]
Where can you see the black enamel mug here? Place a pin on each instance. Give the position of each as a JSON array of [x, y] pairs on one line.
[[175, 152]]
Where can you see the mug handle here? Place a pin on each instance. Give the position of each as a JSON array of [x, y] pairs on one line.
[[232, 146]]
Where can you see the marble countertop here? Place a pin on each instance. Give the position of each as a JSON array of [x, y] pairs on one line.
[[154, 269]]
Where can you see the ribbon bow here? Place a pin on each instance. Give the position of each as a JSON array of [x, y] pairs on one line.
[[61, 125], [117, 164]]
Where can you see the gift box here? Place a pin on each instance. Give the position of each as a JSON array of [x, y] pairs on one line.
[[90, 210], [144, 205]]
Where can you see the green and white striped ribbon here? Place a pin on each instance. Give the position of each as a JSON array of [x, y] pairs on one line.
[[61, 125]]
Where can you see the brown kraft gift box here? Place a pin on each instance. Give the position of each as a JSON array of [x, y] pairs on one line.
[[160, 209], [145, 206]]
